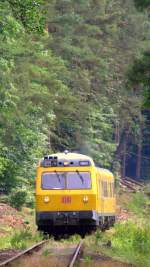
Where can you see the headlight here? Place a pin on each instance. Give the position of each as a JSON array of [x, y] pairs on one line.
[[85, 199], [46, 199]]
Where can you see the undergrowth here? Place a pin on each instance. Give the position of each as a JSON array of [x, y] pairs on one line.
[[127, 242], [132, 242], [20, 239], [139, 205]]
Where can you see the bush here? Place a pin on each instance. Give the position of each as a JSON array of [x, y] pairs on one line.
[[30, 200], [4, 199], [24, 238], [98, 237], [139, 204], [19, 239], [17, 199], [132, 242]]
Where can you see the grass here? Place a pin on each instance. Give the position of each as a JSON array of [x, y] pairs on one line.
[[46, 252], [128, 241], [5, 242], [23, 237], [132, 243], [20, 240], [139, 205], [27, 235], [88, 259]]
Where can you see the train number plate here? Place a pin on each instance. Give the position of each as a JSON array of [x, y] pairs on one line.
[[66, 199]]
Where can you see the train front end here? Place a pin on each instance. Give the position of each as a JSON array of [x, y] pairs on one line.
[[65, 193]]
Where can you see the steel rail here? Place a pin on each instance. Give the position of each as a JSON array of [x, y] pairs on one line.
[[24, 252], [123, 182], [76, 254], [134, 181]]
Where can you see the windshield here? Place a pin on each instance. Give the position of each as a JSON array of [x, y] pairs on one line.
[[66, 180]]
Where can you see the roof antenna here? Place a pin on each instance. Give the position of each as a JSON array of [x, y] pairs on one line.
[[66, 151]]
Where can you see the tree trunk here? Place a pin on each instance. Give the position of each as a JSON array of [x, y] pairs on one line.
[[124, 154], [139, 155], [117, 134], [138, 164]]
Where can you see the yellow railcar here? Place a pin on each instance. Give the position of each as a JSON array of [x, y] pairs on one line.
[[71, 191]]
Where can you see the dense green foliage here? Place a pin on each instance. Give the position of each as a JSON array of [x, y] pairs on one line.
[[64, 83], [31, 84], [140, 74], [142, 3], [17, 199], [29, 13], [98, 41]]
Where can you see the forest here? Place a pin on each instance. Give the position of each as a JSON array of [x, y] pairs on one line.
[[74, 74]]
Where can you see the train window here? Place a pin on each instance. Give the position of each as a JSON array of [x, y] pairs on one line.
[[66, 180], [113, 189], [52, 181], [110, 189], [104, 189], [78, 180], [100, 188]]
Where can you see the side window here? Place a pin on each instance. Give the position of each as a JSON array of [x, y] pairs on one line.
[[100, 188], [107, 189], [111, 188], [104, 189]]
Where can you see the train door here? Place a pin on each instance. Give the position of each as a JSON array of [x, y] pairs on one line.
[[99, 195], [105, 197], [102, 197]]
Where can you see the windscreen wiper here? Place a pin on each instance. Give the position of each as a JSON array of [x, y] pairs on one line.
[[58, 176], [81, 177]]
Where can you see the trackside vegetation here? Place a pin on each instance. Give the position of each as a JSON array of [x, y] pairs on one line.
[[129, 240], [20, 239]]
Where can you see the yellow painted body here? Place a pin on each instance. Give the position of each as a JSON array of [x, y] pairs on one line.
[[106, 203], [99, 201]]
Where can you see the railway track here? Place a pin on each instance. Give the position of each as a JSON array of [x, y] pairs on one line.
[[76, 254], [77, 251], [24, 252], [131, 184], [139, 183]]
